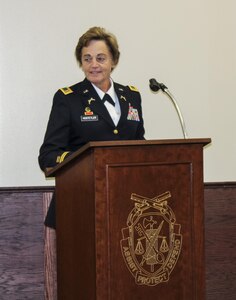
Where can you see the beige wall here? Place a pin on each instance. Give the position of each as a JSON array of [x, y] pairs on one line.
[[188, 45]]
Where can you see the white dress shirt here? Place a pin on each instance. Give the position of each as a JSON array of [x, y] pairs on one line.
[[114, 111]]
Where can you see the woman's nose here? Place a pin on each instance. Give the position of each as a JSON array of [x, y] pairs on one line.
[[94, 62]]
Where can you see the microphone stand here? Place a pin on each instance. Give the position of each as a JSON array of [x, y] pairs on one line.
[[173, 100]]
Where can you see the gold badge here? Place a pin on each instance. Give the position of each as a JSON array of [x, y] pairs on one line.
[[88, 112]]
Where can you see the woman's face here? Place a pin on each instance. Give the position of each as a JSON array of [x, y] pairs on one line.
[[97, 64]]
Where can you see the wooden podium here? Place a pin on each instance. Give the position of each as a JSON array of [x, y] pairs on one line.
[[130, 221]]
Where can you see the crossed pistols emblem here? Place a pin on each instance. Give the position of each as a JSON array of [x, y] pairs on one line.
[[151, 243]]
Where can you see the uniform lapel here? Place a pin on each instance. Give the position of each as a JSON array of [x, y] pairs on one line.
[[93, 102], [124, 102]]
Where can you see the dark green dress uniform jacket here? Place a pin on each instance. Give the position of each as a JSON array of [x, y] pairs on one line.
[[79, 116]]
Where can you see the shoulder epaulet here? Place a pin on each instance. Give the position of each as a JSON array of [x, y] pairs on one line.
[[66, 90], [133, 88]]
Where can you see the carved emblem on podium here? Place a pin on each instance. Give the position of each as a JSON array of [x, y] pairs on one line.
[[151, 243]]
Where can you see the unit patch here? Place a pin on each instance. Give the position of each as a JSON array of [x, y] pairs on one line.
[[152, 241]]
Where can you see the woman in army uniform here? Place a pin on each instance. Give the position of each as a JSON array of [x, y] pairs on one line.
[[95, 109]]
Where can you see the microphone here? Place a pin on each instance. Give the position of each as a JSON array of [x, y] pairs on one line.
[[155, 87]]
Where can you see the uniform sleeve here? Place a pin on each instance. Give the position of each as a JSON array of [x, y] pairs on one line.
[[141, 130], [55, 145], [138, 103]]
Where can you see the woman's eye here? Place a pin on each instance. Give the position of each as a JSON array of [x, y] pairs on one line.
[[87, 59], [101, 59]]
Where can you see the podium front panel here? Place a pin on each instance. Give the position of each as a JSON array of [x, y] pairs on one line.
[[130, 224], [153, 227]]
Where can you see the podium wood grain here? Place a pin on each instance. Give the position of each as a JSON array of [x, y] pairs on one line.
[[93, 191]]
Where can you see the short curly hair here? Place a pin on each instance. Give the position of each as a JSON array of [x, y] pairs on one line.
[[99, 34]]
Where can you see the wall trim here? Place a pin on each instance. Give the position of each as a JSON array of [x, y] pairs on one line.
[[27, 189], [222, 184]]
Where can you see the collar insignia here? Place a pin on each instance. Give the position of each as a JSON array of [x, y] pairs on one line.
[[90, 100]]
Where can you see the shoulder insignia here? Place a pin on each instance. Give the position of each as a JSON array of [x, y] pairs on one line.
[[133, 88], [60, 158], [66, 90]]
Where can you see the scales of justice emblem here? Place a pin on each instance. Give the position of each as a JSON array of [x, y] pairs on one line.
[[151, 243]]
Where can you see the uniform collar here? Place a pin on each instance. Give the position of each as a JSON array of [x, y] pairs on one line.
[[110, 92]]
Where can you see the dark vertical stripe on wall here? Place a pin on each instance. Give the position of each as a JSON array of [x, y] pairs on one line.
[[220, 240], [21, 244], [50, 271]]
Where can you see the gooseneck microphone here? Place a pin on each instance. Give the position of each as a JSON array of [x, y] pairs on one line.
[[155, 87]]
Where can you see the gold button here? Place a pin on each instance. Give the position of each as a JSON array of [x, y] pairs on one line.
[[115, 131]]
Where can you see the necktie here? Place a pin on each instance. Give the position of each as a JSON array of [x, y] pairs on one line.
[[109, 99]]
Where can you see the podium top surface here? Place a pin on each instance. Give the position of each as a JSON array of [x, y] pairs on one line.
[[50, 172]]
